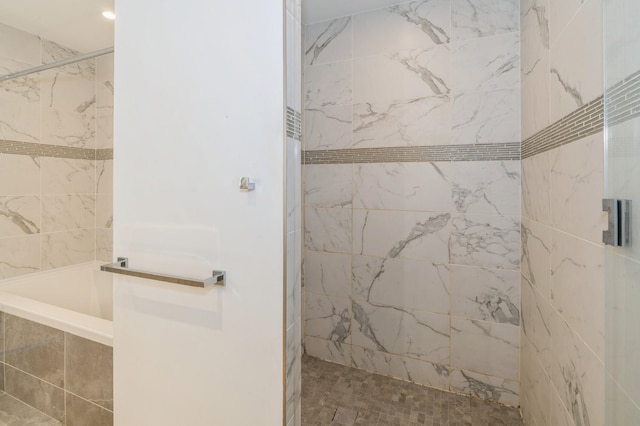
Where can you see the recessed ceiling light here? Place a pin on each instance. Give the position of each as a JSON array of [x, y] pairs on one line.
[[109, 15]]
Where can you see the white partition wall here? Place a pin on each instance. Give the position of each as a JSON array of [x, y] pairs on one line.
[[199, 104]]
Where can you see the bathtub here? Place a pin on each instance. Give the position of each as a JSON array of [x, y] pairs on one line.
[[76, 299]]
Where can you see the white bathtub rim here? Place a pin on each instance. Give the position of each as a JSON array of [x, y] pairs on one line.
[[58, 271]]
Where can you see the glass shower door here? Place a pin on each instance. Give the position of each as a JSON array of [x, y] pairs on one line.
[[622, 173]]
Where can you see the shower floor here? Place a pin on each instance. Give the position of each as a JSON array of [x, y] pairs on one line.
[[16, 413], [333, 394]]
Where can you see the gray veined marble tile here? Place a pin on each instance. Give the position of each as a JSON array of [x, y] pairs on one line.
[[329, 41], [486, 64], [407, 235], [486, 187], [482, 18], [486, 294], [536, 255], [327, 273], [402, 76], [19, 175], [485, 387], [413, 122], [328, 185], [104, 176], [68, 248], [536, 173], [19, 256], [328, 229], [67, 212], [409, 333], [405, 26], [487, 241], [328, 85], [403, 186], [327, 318], [424, 373], [19, 215], [487, 117], [67, 176], [329, 350], [534, 16], [328, 128], [536, 323], [54, 52], [486, 347], [400, 282], [104, 245], [19, 104]]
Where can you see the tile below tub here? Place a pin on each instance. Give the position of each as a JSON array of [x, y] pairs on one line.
[[485, 387], [84, 413], [89, 370], [39, 394], [16, 413]]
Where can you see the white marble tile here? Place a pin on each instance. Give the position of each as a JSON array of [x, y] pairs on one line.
[[487, 117], [19, 45], [534, 387], [412, 334], [535, 99], [402, 283], [68, 212], [485, 294], [408, 235], [19, 175], [104, 102], [19, 256], [327, 318], [559, 416], [401, 76], [19, 215], [328, 350], [412, 370], [536, 256], [19, 104], [328, 128], [536, 318], [577, 188], [578, 287], [328, 185], [414, 122], [536, 174], [486, 187], [482, 18], [576, 72], [485, 387], [486, 64], [577, 374], [104, 245], [487, 241], [67, 176], [327, 273], [68, 110], [560, 14], [328, 229], [411, 25], [54, 52], [485, 347], [328, 85], [328, 41], [104, 176], [403, 186], [68, 248]]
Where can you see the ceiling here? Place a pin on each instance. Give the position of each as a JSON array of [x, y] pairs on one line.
[[322, 10], [77, 24]]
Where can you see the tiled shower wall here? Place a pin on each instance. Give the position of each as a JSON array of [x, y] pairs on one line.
[[55, 157], [411, 268], [563, 344]]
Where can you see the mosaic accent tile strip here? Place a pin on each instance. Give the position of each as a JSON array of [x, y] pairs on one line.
[[620, 103], [294, 124], [415, 154], [43, 150]]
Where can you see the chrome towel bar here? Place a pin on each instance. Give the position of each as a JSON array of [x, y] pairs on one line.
[[122, 267]]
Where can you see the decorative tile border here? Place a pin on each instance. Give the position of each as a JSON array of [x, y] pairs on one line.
[[43, 150], [294, 124], [620, 103], [414, 154]]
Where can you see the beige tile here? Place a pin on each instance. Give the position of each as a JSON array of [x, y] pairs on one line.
[[19, 215], [67, 176], [68, 248], [89, 370], [19, 256], [41, 395], [104, 245], [68, 212], [35, 349], [83, 413], [14, 412], [19, 175]]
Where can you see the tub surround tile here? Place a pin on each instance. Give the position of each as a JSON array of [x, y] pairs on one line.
[[328, 229], [37, 393], [104, 245], [328, 128], [329, 41], [28, 168], [328, 185], [54, 52], [327, 318], [327, 273], [68, 212], [19, 45], [404, 332], [399, 282], [403, 186], [89, 370], [104, 101], [19, 215], [328, 85], [482, 18], [20, 256], [486, 294], [104, 210], [35, 349], [67, 176], [485, 387], [68, 248], [82, 413], [417, 24], [19, 104]]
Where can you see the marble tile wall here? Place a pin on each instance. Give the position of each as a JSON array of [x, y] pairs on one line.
[[68, 378], [53, 211], [411, 269], [563, 318]]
